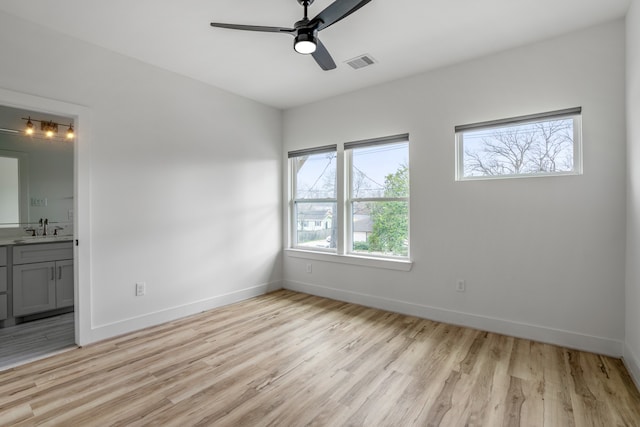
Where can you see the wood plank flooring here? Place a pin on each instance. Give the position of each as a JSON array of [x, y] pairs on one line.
[[289, 359], [35, 340]]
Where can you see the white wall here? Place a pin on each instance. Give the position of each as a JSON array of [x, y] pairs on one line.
[[543, 257], [632, 341], [184, 180]]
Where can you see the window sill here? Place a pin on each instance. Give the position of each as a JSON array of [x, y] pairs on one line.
[[389, 264]]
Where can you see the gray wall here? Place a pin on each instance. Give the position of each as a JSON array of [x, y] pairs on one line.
[[542, 257]]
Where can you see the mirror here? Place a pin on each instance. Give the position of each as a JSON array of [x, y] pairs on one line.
[[36, 172]]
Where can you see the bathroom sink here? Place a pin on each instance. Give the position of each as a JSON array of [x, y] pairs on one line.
[[41, 239]]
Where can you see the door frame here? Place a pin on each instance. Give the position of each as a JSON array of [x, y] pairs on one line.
[[81, 202]]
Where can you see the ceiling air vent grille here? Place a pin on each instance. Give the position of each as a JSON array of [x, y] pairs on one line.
[[361, 61]]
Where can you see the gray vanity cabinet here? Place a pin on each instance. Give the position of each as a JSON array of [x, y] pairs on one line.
[[3, 283], [42, 277], [64, 283], [34, 288]]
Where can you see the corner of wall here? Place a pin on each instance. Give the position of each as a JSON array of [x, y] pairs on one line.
[[632, 363], [632, 280]]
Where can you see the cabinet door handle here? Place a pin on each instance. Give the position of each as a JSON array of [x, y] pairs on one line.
[[59, 272], [53, 277]]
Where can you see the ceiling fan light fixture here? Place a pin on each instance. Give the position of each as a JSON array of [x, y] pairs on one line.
[[305, 43], [306, 30]]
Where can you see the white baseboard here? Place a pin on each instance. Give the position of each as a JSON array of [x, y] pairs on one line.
[[102, 332], [632, 363], [559, 337]]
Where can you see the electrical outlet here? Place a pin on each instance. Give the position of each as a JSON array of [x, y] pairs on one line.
[[38, 201], [141, 289], [309, 268], [461, 286]]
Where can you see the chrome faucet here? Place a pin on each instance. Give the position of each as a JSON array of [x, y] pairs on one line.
[[46, 225]]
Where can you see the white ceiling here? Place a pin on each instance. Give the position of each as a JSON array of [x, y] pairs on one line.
[[406, 37]]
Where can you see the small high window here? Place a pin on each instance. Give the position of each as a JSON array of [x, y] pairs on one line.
[[536, 145]]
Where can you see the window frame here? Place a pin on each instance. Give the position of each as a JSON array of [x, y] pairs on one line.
[[573, 113], [293, 201], [342, 216]]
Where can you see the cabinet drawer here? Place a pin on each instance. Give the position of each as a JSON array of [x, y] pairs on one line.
[[3, 255], [3, 307], [3, 279], [25, 254]]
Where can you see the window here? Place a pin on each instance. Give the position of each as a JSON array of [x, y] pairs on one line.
[[352, 199], [314, 201], [536, 145], [378, 203]]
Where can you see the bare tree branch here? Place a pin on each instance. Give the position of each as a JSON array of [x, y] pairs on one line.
[[538, 147]]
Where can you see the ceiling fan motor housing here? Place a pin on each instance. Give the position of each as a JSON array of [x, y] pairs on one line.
[[306, 36]]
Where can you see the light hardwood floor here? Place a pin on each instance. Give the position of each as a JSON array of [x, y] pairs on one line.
[[35, 340], [289, 359]]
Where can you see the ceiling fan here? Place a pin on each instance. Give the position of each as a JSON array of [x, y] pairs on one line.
[[306, 30]]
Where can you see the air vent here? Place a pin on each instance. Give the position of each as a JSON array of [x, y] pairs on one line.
[[361, 61]]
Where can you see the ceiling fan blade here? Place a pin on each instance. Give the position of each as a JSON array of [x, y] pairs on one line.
[[336, 11], [322, 57], [254, 28]]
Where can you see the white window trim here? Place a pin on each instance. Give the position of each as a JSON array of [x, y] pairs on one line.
[[340, 254], [293, 235], [401, 264], [575, 113]]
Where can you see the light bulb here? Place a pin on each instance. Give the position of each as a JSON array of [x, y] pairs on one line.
[[305, 42], [29, 129], [305, 47]]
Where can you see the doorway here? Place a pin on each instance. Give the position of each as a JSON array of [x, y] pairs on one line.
[[73, 323]]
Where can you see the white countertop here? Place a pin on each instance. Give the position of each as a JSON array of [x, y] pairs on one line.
[[28, 240]]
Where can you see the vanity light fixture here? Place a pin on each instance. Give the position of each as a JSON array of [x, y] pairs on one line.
[[48, 127], [30, 126]]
